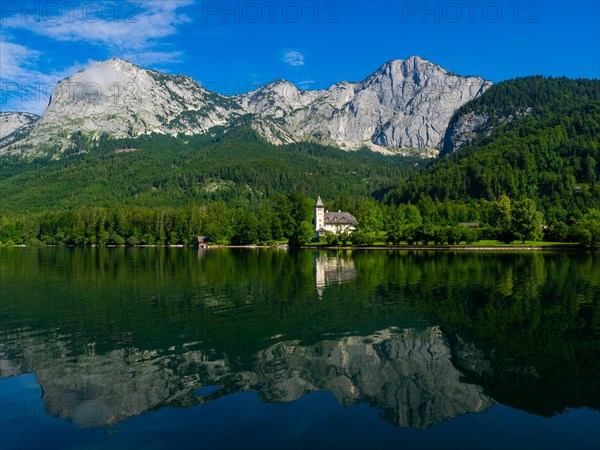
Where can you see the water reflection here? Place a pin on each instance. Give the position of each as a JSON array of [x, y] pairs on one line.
[[333, 268], [111, 334], [408, 374]]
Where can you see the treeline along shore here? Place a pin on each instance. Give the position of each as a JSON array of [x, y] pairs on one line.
[[288, 220]]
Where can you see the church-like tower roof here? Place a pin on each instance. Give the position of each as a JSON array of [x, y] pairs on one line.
[[320, 203]]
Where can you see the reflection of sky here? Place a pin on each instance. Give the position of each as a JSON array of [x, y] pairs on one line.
[[406, 373], [314, 421]]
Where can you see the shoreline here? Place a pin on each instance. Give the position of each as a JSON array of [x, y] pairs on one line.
[[475, 248], [436, 248]]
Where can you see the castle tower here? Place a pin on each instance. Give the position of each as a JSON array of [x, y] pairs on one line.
[[319, 215]]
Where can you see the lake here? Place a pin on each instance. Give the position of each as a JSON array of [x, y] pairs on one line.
[[274, 348]]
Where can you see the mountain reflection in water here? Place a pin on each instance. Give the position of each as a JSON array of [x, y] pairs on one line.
[[113, 334], [406, 373]]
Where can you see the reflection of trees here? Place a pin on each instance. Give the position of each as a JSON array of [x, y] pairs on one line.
[[535, 317], [505, 283]]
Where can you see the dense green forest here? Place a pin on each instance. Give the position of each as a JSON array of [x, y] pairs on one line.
[[289, 219], [531, 173], [541, 142], [528, 95], [549, 153], [160, 171]]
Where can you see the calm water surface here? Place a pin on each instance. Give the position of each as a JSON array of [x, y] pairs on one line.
[[176, 348]]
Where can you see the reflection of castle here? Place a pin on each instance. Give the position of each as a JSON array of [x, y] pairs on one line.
[[407, 373], [333, 269]]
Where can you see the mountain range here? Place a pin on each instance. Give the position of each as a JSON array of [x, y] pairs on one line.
[[115, 134], [405, 105]]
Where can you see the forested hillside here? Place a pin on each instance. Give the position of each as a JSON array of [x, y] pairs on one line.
[[541, 140], [158, 171], [513, 99]]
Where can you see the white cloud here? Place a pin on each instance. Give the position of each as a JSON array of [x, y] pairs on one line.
[[131, 28], [22, 86], [15, 59], [100, 79], [292, 58]]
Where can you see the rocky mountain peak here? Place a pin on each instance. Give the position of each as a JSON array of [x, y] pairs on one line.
[[118, 62], [124, 100], [408, 64], [399, 69], [13, 121], [422, 97], [99, 82], [280, 84], [278, 90], [276, 99], [405, 104]]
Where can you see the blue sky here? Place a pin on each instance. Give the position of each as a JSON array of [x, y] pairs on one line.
[[233, 47]]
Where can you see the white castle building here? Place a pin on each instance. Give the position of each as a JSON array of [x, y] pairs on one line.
[[335, 222]]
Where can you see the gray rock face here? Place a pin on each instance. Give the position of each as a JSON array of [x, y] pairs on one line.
[[464, 128], [124, 100], [15, 126], [462, 131], [403, 105]]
